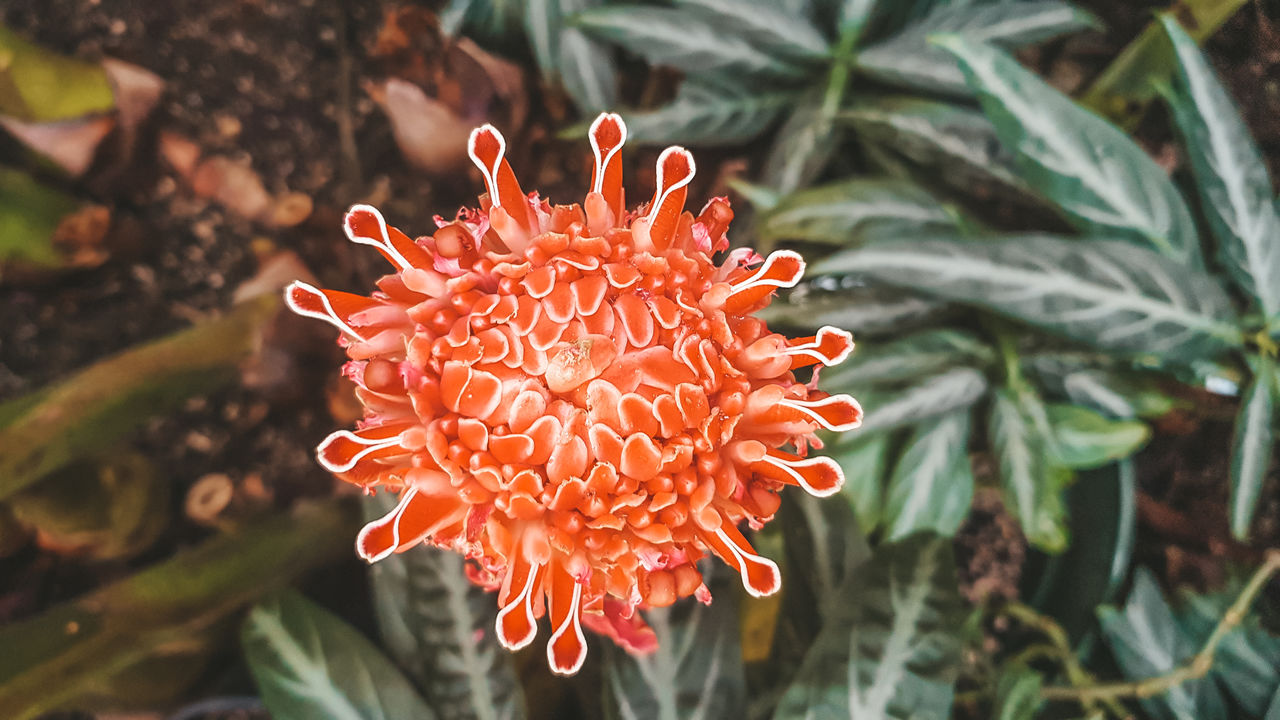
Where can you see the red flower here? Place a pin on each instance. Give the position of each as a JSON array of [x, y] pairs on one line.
[[577, 397]]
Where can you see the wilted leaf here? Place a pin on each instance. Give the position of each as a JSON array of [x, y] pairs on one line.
[[1251, 447], [909, 60], [943, 138], [891, 649], [1127, 86], [860, 309], [91, 410], [1100, 178], [310, 665], [709, 114], [1146, 642], [69, 144], [696, 672], [932, 484], [1235, 189], [77, 649], [1114, 295], [913, 356], [37, 85], [850, 212], [430, 135], [929, 397], [863, 459], [1086, 439], [1033, 482], [675, 38], [1103, 516], [439, 627], [106, 511]]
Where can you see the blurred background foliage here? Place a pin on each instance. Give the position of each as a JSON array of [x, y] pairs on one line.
[[1051, 227]]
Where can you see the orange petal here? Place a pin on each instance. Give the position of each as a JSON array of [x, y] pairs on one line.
[[675, 171], [608, 133], [760, 575], [818, 476], [516, 623], [413, 520], [836, 412], [364, 225], [830, 346], [342, 450], [332, 306], [487, 149], [567, 648], [468, 391], [782, 269]]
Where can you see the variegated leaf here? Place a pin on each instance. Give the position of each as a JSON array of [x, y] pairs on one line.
[[1100, 178], [440, 628], [1114, 295]]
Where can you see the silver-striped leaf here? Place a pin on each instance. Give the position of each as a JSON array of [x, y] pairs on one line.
[[1111, 294], [440, 628], [1235, 189], [1100, 178]]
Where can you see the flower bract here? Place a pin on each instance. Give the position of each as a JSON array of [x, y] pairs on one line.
[[578, 398]]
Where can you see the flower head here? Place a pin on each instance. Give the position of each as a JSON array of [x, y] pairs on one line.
[[577, 397]]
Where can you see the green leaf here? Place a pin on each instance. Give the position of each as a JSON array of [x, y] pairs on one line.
[[907, 59], [766, 26], [852, 211], [493, 21], [1018, 693], [825, 545], [891, 649], [707, 114], [1100, 178], [1146, 643], [160, 610], [1087, 439], [584, 66], [1112, 294], [1247, 660], [1033, 482], [91, 410], [939, 138], [29, 215], [1251, 448], [1096, 382], [930, 397], [1103, 516], [37, 85], [1235, 189], [310, 665], [862, 310], [921, 354], [438, 626], [803, 145], [683, 40], [696, 672], [932, 485], [1127, 86], [863, 459]]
